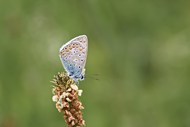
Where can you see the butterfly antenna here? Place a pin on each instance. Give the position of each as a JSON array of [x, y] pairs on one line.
[[93, 76]]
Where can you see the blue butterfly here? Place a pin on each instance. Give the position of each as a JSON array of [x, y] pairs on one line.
[[73, 56]]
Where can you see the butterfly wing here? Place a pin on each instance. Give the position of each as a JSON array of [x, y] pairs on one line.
[[73, 56]]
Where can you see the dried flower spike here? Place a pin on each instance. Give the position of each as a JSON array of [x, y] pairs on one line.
[[65, 94]]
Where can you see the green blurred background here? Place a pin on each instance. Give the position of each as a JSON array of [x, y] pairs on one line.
[[139, 49]]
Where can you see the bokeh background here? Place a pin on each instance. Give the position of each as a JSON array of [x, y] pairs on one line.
[[139, 49]]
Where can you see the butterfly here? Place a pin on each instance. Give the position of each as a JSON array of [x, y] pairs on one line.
[[73, 56]]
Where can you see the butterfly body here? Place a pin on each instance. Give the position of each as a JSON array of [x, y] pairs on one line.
[[73, 57]]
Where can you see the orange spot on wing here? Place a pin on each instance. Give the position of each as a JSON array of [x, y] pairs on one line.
[[66, 50]]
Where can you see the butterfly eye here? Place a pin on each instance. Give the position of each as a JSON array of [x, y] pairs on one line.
[[82, 77], [79, 66]]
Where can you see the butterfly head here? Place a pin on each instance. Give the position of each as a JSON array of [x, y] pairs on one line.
[[77, 78], [82, 74]]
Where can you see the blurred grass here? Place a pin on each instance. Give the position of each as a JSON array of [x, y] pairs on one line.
[[140, 49]]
